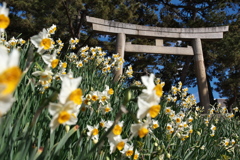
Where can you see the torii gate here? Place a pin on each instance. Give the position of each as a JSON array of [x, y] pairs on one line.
[[159, 33]]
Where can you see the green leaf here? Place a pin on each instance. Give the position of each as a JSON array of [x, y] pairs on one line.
[[65, 138]]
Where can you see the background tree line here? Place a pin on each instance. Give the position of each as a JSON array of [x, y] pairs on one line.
[[222, 58]]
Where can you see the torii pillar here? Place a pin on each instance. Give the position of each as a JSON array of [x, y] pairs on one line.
[[120, 47], [201, 74]]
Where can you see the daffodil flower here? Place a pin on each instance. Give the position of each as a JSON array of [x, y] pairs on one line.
[[128, 150], [136, 154], [116, 131], [141, 129], [167, 110], [117, 143], [70, 91], [51, 60], [154, 124], [105, 108], [129, 71], [42, 41], [213, 127], [149, 83], [103, 97], [93, 132], [109, 91], [4, 19], [70, 98], [79, 64], [52, 29], [65, 114], [45, 77], [10, 75], [169, 127], [226, 142], [151, 109], [153, 92], [95, 95], [177, 118], [12, 42], [102, 123]]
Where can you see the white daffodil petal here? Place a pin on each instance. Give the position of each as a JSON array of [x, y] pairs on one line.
[[44, 33], [73, 120], [148, 81], [47, 59], [89, 127], [14, 58], [4, 10], [149, 97], [64, 95], [4, 58], [112, 146], [142, 108], [37, 73], [54, 108], [68, 85], [75, 82], [6, 105], [134, 128], [36, 40], [54, 123], [71, 108]]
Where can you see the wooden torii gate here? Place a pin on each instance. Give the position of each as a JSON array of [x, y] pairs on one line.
[[195, 35]]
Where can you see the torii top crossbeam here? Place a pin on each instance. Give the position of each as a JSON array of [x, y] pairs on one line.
[[108, 27], [159, 33]]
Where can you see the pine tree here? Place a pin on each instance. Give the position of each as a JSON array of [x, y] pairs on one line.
[[227, 65]]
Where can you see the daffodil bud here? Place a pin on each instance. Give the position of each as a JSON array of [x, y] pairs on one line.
[[196, 114], [199, 133], [67, 128], [178, 135], [168, 155], [127, 97], [161, 157], [95, 141], [203, 147]]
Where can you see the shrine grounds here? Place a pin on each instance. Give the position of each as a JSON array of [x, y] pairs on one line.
[[60, 103]]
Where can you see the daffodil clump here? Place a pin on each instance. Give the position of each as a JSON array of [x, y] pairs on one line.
[[10, 72], [65, 104]]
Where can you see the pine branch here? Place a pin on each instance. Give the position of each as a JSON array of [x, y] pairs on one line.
[[81, 21], [69, 19]]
